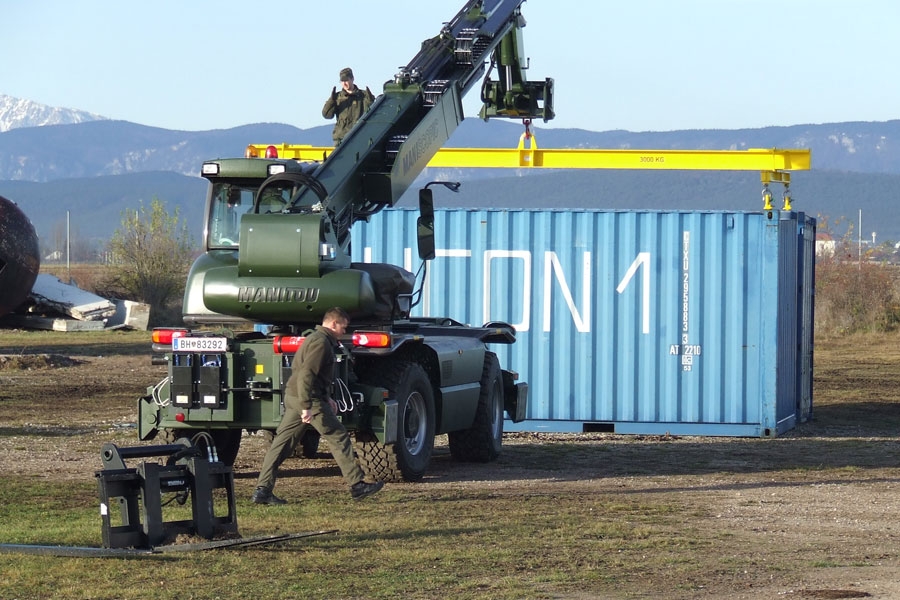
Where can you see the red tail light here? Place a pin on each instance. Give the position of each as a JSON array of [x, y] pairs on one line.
[[271, 152], [287, 344], [165, 335], [372, 339]]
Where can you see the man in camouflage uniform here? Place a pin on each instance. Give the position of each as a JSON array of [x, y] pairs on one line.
[[348, 105], [308, 403]]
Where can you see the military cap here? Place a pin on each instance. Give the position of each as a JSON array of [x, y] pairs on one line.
[[346, 74]]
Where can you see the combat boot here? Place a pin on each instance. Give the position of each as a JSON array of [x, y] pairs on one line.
[[362, 489], [264, 496]]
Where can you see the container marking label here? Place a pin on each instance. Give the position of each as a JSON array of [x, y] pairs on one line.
[[686, 350]]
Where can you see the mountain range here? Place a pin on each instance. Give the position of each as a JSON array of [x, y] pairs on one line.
[[16, 113], [55, 162]]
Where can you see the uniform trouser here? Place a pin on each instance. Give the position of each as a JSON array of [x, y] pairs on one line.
[[291, 430]]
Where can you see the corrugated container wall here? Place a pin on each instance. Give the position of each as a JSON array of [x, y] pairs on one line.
[[689, 323]]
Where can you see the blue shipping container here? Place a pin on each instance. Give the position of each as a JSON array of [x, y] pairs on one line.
[[652, 322]]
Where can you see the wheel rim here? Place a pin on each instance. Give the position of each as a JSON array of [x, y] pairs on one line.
[[496, 412], [414, 423]]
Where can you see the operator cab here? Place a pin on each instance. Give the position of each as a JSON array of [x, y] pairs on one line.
[[230, 201], [242, 186]]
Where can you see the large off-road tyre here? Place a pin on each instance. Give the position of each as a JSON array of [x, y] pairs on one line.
[[408, 459], [309, 443], [483, 440], [227, 441], [377, 461]]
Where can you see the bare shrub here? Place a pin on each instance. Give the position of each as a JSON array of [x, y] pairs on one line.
[[151, 253], [854, 292]]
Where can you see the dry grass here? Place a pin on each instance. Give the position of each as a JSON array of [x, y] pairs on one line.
[[810, 514]]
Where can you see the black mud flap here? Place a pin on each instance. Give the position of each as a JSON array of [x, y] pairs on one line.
[[515, 397], [147, 418]]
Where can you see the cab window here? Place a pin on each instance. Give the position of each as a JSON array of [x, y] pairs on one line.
[[229, 203]]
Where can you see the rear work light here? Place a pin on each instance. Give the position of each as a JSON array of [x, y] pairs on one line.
[[210, 169], [165, 335], [287, 344], [372, 339]]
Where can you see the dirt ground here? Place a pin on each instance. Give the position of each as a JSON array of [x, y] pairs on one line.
[[826, 493]]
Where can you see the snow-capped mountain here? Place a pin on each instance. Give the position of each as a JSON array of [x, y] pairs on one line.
[[16, 113]]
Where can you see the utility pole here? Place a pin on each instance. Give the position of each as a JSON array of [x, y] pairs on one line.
[[68, 248], [859, 244]]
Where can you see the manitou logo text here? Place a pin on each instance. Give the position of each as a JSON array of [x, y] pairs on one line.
[[277, 294]]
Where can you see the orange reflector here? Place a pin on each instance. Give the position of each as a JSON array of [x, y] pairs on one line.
[[371, 339], [165, 335], [271, 152], [287, 344], [251, 152]]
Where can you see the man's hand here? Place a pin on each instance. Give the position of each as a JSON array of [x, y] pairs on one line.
[[306, 415], [334, 94], [333, 405]]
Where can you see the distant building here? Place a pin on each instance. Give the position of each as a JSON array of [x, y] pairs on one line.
[[825, 245]]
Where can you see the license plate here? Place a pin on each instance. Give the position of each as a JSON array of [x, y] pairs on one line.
[[198, 344]]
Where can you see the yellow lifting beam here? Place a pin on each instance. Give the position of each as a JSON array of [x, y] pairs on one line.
[[755, 159], [772, 163], [715, 160]]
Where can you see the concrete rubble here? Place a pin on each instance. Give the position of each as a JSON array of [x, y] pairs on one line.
[[58, 306]]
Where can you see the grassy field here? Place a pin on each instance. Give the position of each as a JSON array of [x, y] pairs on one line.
[[807, 515], [465, 544]]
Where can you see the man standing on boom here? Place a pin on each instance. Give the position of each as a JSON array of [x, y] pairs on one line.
[[348, 105]]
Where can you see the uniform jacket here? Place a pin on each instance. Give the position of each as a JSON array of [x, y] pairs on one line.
[[312, 371], [348, 108]]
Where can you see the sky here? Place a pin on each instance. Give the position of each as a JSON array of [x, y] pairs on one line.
[[652, 65]]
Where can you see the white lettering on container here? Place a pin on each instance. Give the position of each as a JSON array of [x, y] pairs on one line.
[[582, 320], [642, 260], [518, 302]]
